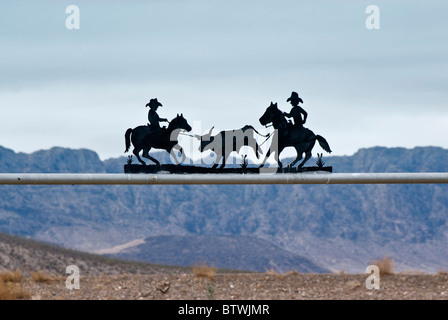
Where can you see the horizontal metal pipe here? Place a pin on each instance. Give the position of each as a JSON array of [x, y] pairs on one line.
[[177, 179]]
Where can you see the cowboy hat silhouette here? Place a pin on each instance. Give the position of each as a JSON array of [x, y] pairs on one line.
[[294, 98], [153, 103]]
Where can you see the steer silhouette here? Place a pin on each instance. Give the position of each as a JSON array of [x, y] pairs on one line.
[[225, 142]]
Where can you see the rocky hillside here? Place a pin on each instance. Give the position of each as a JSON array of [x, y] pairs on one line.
[[224, 252], [29, 256], [335, 226]]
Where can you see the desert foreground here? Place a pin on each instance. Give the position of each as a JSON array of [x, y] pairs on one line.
[[235, 286]]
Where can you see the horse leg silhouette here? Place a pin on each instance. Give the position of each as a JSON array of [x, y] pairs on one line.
[[133, 136], [224, 158], [147, 156], [276, 158], [183, 154], [298, 158], [136, 152], [258, 150], [268, 154], [220, 152], [307, 156], [322, 142]]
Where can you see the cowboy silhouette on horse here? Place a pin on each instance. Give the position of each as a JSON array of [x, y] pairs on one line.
[[296, 111], [291, 135], [153, 117], [153, 136]]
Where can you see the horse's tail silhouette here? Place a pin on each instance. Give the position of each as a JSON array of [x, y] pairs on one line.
[[128, 139], [323, 143]]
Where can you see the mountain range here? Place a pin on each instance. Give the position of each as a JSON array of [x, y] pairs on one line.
[[333, 227]]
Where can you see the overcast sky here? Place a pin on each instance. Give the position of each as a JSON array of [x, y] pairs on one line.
[[221, 63]]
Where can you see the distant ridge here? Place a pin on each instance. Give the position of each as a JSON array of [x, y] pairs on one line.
[[237, 252]]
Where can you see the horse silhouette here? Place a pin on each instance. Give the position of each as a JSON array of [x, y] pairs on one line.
[[302, 139], [144, 138]]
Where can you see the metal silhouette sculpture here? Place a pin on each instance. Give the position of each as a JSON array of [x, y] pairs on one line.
[[225, 142], [147, 137], [290, 135], [286, 133]]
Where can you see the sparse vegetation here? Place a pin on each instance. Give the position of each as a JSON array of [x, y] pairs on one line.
[[10, 288], [204, 271], [271, 272], [8, 276], [281, 275], [244, 162], [40, 276], [386, 265], [12, 291], [319, 161], [211, 291]]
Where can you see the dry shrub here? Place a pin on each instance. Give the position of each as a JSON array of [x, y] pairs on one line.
[[204, 271], [274, 273], [12, 291], [280, 275], [292, 273], [386, 265], [9, 287], [271, 272], [8, 276], [39, 276]]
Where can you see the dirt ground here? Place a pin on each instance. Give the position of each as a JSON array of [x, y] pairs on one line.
[[244, 286]]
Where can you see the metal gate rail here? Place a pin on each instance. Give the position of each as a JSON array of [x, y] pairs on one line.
[[192, 179]]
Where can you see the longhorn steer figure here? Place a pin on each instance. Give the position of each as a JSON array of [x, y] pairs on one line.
[[225, 142]]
